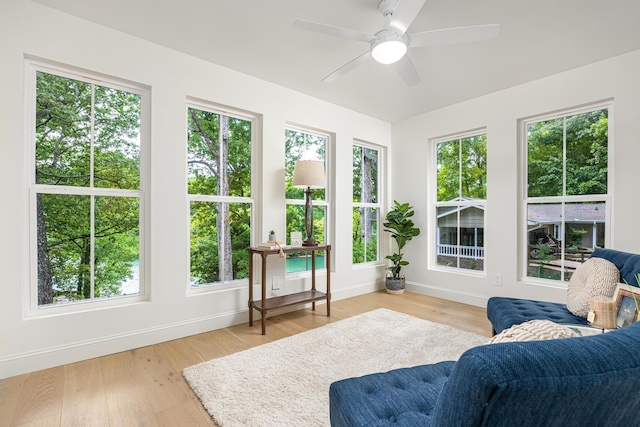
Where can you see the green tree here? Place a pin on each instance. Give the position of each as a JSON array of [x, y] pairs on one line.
[[219, 163], [365, 190], [585, 139], [462, 168], [87, 136]]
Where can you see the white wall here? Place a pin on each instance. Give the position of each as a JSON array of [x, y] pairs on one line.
[[28, 344], [31, 29], [616, 79]]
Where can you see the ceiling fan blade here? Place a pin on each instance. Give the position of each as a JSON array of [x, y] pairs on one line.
[[348, 67], [405, 13], [454, 35], [407, 71], [332, 30]]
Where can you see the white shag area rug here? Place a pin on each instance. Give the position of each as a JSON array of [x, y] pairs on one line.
[[286, 382]]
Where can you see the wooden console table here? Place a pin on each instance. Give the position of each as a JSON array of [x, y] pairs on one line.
[[264, 304]]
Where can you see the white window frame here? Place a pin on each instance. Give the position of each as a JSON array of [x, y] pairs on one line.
[[221, 110], [525, 200], [327, 190], [378, 205], [31, 308], [433, 223]]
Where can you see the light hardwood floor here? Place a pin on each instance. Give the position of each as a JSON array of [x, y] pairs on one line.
[[145, 387]]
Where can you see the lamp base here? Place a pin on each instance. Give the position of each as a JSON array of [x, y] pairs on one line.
[[309, 242], [308, 219]]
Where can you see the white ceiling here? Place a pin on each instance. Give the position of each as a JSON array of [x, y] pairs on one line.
[[537, 39]]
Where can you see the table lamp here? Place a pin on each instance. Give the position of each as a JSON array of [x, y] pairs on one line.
[[308, 174]]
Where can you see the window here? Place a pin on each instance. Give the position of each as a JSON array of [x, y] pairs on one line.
[[220, 200], [461, 201], [87, 190], [566, 195], [302, 144], [366, 203]]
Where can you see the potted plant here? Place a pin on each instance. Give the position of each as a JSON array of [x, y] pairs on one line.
[[272, 235], [398, 222]]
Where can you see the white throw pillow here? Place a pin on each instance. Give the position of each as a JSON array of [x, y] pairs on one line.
[[595, 278], [533, 330]]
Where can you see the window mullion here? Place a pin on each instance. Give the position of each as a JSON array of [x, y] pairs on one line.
[[458, 245], [92, 241], [460, 167], [92, 209], [564, 157]]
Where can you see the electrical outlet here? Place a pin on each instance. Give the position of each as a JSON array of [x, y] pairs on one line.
[[276, 283], [497, 280]]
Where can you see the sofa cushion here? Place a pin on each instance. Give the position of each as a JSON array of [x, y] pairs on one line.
[[533, 330], [405, 396], [628, 263], [595, 278], [504, 312]]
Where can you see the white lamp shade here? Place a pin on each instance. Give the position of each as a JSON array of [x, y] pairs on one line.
[[389, 51], [309, 173]]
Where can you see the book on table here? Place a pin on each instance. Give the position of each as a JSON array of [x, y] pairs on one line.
[[270, 245]]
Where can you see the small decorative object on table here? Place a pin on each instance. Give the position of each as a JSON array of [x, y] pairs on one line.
[[272, 236], [296, 238], [272, 245], [602, 314], [585, 331], [626, 304]]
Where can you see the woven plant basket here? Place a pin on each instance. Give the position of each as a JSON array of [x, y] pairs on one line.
[[395, 285]]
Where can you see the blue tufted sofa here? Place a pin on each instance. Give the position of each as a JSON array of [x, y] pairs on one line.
[[506, 312], [569, 382], [583, 381]]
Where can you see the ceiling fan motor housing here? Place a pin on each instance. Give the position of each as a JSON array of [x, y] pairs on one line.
[[389, 46], [387, 7]]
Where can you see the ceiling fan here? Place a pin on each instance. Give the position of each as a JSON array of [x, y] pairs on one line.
[[390, 44]]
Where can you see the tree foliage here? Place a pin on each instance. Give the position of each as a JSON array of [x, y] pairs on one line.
[[365, 219], [462, 168], [87, 137], [585, 139], [219, 165]]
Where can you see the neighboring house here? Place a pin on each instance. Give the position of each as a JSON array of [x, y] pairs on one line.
[[546, 219], [471, 223], [542, 220], [465, 223]]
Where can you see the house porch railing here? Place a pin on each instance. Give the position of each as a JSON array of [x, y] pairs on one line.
[[473, 252]]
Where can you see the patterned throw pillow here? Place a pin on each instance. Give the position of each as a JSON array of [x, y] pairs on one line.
[[596, 278], [533, 330]]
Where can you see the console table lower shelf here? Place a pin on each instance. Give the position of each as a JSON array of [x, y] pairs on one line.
[[291, 299], [263, 305]]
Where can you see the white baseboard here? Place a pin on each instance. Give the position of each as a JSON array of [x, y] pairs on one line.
[[448, 294], [360, 289], [22, 363]]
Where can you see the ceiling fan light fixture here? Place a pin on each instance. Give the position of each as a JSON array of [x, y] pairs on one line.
[[389, 51], [389, 47]]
